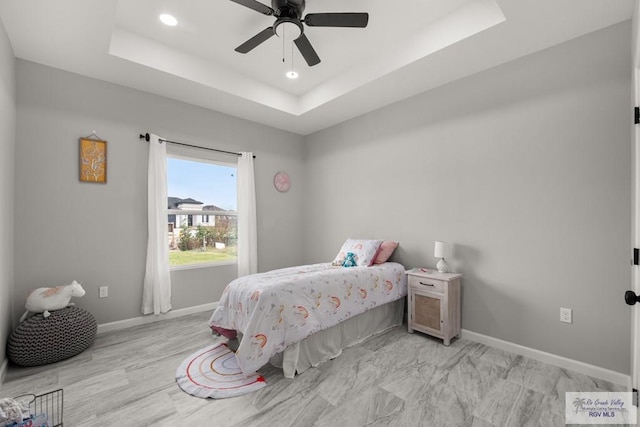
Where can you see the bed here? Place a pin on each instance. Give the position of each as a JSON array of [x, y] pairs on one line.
[[298, 317]]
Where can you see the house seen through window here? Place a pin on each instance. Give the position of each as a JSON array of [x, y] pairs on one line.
[[202, 212]]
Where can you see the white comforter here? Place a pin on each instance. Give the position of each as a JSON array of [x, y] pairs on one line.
[[281, 307]]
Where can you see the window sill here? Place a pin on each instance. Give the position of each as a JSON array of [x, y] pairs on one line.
[[203, 265]]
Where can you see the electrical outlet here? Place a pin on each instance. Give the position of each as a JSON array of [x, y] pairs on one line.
[[566, 315], [104, 291]]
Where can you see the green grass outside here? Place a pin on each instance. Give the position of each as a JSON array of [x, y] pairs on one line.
[[178, 257]]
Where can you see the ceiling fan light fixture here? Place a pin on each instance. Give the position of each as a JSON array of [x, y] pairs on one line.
[[168, 20], [289, 25], [288, 30], [292, 75]]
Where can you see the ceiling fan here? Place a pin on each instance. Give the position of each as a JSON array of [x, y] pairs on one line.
[[289, 26]]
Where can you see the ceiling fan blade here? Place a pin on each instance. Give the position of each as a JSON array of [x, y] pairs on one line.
[[355, 20], [308, 52], [256, 40], [255, 5]]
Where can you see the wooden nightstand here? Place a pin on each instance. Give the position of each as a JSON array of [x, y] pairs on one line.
[[434, 303]]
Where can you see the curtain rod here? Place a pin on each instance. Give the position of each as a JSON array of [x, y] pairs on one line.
[[147, 138]]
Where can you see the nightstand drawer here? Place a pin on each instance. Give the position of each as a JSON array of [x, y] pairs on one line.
[[427, 284]]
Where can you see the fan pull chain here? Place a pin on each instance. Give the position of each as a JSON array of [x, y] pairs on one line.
[[292, 56], [284, 29]]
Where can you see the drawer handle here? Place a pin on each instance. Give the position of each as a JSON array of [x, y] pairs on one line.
[[427, 284]]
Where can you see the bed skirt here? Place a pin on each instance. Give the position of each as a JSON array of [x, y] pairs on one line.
[[328, 344]]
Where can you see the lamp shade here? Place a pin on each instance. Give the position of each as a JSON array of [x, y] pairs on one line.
[[442, 249]]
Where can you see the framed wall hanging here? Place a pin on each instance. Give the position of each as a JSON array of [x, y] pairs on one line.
[[93, 159]]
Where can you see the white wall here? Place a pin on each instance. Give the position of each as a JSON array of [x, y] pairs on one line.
[[95, 233], [525, 168], [7, 147]]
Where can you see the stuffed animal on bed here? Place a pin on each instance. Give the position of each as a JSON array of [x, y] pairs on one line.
[[350, 260], [43, 300]]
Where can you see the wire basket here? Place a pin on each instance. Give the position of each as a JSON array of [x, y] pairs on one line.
[[47, 404]]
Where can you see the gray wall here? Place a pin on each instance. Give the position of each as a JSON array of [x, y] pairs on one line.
[[7, 147], [95, 233], [526, 168]]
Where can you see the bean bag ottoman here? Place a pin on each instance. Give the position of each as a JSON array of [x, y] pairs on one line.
[[64, 334]]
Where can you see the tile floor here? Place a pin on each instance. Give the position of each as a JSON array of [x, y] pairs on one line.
[[127, 378]]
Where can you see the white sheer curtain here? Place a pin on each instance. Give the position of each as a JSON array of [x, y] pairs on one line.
[[156, 293], [247, 225]]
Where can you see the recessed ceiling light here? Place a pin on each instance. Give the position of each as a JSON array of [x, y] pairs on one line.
[[292, 75], [168, 20]]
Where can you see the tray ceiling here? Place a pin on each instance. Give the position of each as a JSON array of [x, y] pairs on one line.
[[409, 48]]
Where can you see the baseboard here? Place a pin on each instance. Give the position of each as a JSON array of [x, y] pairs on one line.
[[3, 370], [552, 359], [143, 320]]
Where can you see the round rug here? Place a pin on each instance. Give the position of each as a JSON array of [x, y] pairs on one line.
[[214, 372]]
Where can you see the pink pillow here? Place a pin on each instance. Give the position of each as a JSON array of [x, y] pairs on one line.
[[384, 252]]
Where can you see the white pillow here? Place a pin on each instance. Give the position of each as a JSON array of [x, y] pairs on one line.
[[364, 250]]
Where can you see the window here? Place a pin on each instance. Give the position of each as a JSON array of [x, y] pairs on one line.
[[202, 212]]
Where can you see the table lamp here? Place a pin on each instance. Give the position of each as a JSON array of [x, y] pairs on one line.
[[442, 251]]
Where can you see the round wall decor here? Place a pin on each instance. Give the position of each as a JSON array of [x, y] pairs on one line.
[[282, 182]]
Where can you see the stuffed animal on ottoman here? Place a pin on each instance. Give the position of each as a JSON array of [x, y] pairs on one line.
[[44, 300]]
